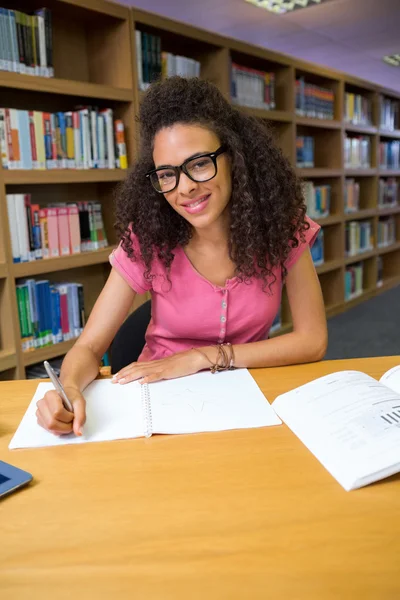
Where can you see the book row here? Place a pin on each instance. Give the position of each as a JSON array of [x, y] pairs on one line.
[[357, 109], [357, 152], [358, 237], [252, 87], [388, 193], [389, 155], [318, 199], [386, 231], [313, 100], [56, 230], [389, 114], [317, 250], [353, 281], [86, 138], [153, 64], [49, 313], [351, 196], [26, 42], [304, 151]]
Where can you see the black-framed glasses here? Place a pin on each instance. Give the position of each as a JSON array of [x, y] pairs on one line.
[[199, 169]]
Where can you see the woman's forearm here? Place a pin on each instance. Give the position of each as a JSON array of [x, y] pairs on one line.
[[287, 349], [80, 367]]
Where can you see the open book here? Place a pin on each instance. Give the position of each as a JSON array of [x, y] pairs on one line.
[[197, 403], [350, 422]]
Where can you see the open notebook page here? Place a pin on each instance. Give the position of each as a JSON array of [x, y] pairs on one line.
[[112, 412], [201, 402], [209, 402], [392, 379], [343, 419]]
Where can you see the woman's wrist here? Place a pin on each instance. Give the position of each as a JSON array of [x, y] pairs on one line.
[[205, 356]]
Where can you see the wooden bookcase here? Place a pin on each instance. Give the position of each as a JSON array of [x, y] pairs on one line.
[[215, 53], [95, 63], [92, 62]]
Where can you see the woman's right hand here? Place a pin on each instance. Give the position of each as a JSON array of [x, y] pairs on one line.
[[52, 415]]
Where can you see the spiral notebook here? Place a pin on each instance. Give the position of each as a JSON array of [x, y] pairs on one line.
[[197, 403]]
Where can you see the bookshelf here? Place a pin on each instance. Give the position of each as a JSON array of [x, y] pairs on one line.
[[92, 66], [95, 62], [329, 134]]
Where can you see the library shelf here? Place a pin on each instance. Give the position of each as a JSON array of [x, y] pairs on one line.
[[360, 214], [325, 221], [388, 283], [387, 133], [48, 176], [391, 210], [389, 172], [329, 265], [317, 172], [391, 248], [313, 122], [360, 172], [269, 115], [8, 360], [46, 353], [349, 260], [64, 87], [367, 129], [63, 263]]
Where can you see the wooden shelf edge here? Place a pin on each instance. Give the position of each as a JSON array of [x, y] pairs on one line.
[[361, 128], [349, 260], [389, 172], [322, 123], [390, 134], [8, 360], [329, 265], [46, 353], [388, 283], [31, 177], [262, 113], [63, 263], [318, 172], [3, 270], [66, 87], [360, 172], [387, 249], [360, 214], [326, 221], [383, 212]]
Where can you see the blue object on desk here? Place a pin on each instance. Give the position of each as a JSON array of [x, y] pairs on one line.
[[12, 478]]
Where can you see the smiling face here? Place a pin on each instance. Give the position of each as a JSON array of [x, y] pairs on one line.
[[202, 204]]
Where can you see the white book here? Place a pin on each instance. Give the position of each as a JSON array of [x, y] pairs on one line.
[[12, 220], [194, 404], [42, 47], [22, 226], [350, 422], [138, 38]]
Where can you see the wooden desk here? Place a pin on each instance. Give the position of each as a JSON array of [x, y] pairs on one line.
[[239, 514]]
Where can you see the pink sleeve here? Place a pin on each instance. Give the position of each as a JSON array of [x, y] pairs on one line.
[[310, 236], [131, 271]]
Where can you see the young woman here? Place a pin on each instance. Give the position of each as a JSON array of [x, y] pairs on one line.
[[212, 223]]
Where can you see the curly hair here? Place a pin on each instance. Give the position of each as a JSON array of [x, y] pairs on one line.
[[267, 208]]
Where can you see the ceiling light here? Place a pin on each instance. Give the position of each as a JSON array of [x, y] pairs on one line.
[[392, 60], [280, 7]]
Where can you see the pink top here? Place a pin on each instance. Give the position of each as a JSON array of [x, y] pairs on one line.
[[192, 311]]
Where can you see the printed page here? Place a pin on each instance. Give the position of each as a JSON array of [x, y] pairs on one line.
[[392, 379], [209, 402], [112, 412], [345, 420]]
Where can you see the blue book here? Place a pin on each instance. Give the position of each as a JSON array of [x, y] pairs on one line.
[[41, 312], [25, 139], [55, 315]]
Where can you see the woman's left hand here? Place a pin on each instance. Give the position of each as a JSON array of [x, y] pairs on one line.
[[177, 365]]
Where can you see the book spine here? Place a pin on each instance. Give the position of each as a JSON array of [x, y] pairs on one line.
[[12, 220], [4, 156]]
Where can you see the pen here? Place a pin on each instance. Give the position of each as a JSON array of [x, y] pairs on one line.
[[57, 384]]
